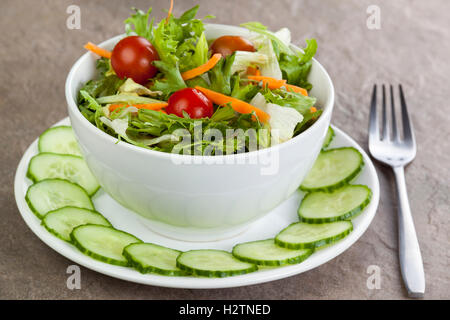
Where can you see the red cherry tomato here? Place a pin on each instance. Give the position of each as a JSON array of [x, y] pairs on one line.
[[226, 45], [132, 57], [192, 101]]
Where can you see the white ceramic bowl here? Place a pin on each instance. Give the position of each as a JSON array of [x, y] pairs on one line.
[[197, 198]]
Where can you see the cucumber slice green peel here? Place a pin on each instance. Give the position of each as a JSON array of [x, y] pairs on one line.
[[61, 222], [300, 235], [63, 166], [341, 204], [267, 253], [51, 194], [213, 263], [328, 138], [102, 243], [59, 139], [153, 258], [333, 168]]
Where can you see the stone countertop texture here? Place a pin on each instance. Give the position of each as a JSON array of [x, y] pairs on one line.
[[411, 47]]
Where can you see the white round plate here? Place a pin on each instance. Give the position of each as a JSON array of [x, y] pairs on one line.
[[267, 227]]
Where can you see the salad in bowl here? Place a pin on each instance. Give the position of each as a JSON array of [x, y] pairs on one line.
[[199, 128], [168, 87]]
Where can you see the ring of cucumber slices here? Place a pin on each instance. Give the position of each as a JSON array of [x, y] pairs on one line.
[[59, 198], [333, 168], [213, 263], [267, 253], [340, 204]]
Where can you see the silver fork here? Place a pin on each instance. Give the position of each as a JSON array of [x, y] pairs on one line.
[[397, 152]]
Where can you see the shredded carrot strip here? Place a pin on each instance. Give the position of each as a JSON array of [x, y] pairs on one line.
[[273, 83], [149, 106], [237, 105], [169, 13], [253, 71], [97, 50], [296, 89], [312, 109], [203, 68], [113, 107], [269, 82]]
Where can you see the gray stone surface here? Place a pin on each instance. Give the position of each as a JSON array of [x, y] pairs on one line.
[[412, 47]]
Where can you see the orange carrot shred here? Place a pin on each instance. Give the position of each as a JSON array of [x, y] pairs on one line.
[[97, 50], [169, 13], [296, 89], [253, 71], [269, 82], [113, 107], [203, 68], [237, 105], [273, 83], [312, 109]]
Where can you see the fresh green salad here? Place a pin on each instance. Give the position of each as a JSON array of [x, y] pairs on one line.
[[166, 87]]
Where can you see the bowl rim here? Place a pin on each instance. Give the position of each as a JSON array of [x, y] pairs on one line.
[[72, 106]]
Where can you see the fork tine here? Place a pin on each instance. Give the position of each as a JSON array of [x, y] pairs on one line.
[[385, 132], [408, 134], [395, 135], [374, 130]]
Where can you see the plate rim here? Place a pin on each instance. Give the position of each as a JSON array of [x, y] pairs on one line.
[[128, 274]]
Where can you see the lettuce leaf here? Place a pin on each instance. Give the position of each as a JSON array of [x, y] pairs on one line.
[[138, 24], [165, 41], [272, 67], [296, 68], [283, 120], [290, 99], [262, 29], [308, 121], [200, 55], [181, 45], [106, 84], [149, 124], [220, 75], [244, 59], [244, 93], [172, 80]]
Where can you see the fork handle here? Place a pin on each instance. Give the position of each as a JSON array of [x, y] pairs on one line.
[[409, 252]]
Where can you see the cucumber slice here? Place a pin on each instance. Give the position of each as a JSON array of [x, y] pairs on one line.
[[213, 263], [341, 204], [59, 140], [301, 235], [328, 138], [102, 243], [333, 169], [51, 194], [61, 222], [266, 253], [63, 166], [152, 258]]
